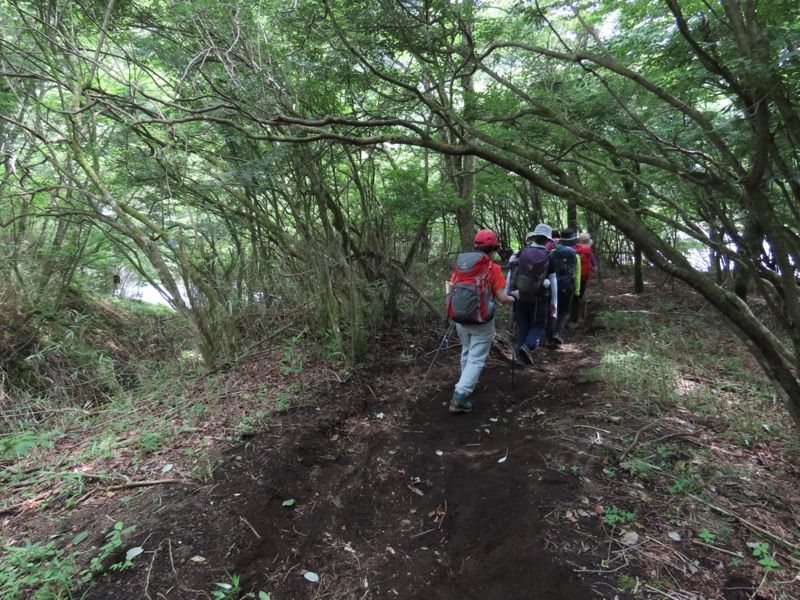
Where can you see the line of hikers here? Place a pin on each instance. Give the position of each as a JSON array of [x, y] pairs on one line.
[[551, 270]]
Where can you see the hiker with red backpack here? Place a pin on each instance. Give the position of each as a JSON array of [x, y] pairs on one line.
[[568, 277], [476, 286], [588, 265], [533, 277]]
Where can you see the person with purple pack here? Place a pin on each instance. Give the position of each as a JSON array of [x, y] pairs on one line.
[[533, 276]]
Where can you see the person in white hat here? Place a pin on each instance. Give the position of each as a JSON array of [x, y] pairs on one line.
[[535, 303]]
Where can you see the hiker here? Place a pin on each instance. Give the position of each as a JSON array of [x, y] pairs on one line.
[[476, 285], [512, 261], [588, 265], [567, 268], [534, 280]]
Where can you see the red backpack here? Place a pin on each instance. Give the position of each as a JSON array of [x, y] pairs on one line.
[[585, 252], [471, 301]]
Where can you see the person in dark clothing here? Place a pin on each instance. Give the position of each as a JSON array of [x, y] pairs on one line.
[[567, 268], [530, 315]]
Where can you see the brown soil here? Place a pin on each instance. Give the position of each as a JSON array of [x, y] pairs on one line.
[[393, 497]]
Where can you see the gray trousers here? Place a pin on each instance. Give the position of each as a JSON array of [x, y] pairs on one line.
[[476, 341]]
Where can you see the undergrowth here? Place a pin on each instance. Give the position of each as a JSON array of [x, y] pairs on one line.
[[79, 355], [689, 359], [117, 400], [696, 416]]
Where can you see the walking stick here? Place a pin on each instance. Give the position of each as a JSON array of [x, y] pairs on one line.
[[441, 344], [513, 363], [510, 341], [506, 334]]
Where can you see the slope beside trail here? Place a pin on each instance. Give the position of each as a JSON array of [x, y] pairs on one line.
[[380, 492]]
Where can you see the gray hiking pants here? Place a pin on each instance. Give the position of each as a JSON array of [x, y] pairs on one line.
[[476, 341]]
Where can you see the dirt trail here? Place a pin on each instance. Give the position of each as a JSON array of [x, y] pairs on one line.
[[393, 496]]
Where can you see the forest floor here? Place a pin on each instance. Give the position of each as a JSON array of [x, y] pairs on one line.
[[555, 487]]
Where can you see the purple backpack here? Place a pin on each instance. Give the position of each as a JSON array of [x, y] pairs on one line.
[[531, 271]]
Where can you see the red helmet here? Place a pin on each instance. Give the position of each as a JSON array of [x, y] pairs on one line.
[[485, 238]]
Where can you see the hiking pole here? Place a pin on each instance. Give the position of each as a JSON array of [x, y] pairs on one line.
[[508, 338], [510, 342], [513, 362], [441, 345]]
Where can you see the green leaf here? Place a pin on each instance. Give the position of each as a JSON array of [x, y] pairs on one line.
[[289, 502], [80, 537], [133, 553], [263, 596]]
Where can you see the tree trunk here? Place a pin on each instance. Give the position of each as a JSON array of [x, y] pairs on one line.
[[572, 216], [638, 270]]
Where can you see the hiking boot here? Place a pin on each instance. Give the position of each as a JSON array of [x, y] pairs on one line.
[[528, 353], [557, 339], [520, 360], [460, 404]]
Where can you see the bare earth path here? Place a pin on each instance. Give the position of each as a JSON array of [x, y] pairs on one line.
[[393, 496]]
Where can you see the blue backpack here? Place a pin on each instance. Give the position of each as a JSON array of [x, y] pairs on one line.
[[530, 274], [564, 260]]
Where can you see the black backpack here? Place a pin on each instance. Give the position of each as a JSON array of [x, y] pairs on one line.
[[530, 274], [564, 261]]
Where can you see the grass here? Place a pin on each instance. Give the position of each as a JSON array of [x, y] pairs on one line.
[[699, 426], [687, 362], [52, 458], [60, 568]]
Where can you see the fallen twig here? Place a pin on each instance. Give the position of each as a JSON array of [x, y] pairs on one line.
[[636, 439], [21, 505], [150, 570], [423, 533], [86, 495], [171, 561], [755, 595], [10, 471], [718, 549], [12, 507], [292, 568], [253, 529], [133, 484], [666, 594], [595, 428], [770, 536], [416, 490]]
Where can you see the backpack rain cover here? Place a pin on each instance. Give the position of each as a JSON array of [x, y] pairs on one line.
[[471, 301]]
